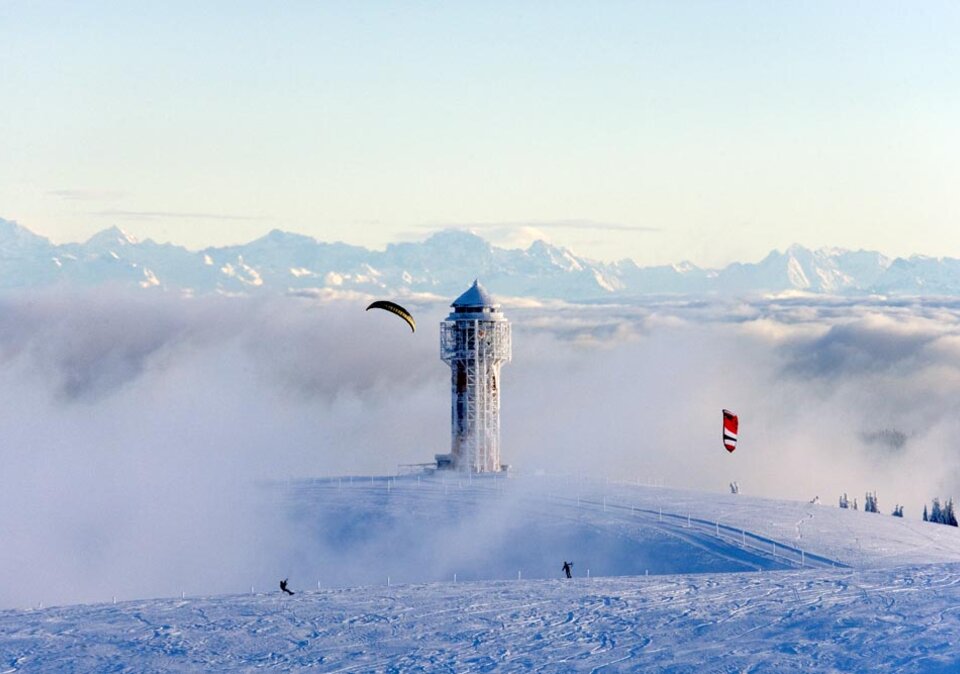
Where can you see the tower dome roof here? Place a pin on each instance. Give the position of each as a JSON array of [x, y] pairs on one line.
[[475, 296]]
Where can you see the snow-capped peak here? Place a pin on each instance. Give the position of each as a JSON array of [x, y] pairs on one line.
[[112, 236]]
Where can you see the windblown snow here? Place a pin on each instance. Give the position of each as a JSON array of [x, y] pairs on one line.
[[450, 574]]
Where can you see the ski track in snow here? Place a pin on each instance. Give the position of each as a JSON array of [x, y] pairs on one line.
[[862, 601]]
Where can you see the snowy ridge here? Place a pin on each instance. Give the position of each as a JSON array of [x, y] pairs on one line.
[[856, 601], [283, 262]]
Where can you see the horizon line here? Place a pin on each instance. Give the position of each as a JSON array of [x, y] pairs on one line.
[[468, 229]]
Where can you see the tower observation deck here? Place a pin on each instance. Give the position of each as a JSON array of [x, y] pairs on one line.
[[474, 342]]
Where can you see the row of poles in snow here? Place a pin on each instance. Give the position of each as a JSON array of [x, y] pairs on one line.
[[755, 541], [320, 587], [391, 481]]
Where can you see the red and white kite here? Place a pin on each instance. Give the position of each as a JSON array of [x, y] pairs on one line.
[[731, 424]]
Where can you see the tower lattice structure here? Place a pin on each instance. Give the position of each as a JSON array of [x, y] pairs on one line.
[[475, 342]]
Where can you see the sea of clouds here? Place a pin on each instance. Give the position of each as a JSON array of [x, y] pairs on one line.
[[137, 430]]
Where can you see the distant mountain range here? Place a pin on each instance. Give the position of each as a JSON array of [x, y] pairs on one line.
[[444, 264]]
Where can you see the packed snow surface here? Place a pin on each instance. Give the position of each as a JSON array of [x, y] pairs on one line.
[[730, 583]]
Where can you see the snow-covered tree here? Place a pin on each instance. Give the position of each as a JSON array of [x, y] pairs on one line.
[[949, 517], [898, 510], [870, 503], [936, 514], [844, 501], [945, 514], [925, 517]]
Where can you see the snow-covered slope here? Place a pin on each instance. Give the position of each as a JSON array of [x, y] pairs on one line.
[[903, 620], [359, 531], [728, 589]]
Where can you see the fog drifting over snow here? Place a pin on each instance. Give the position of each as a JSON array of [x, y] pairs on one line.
[[135, 428]]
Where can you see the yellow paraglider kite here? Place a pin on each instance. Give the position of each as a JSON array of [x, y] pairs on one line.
[[394, 308]]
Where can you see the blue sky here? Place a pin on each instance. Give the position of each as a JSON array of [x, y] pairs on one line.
[[659, 131]]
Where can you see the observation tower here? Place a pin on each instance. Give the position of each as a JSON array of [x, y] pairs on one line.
[[474, 342]]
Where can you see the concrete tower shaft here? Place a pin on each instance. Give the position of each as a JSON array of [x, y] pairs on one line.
[[475, 342]]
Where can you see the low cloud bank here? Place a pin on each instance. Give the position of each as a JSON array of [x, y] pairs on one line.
[[136, 428]]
